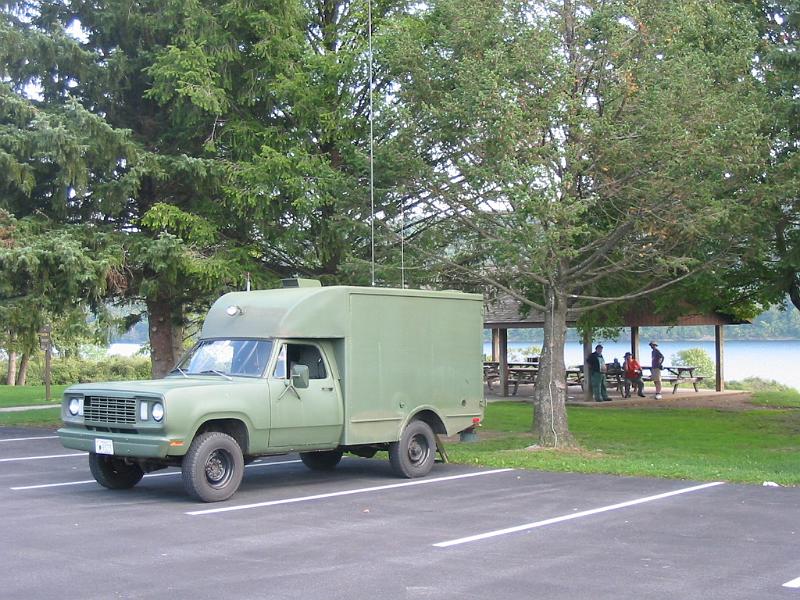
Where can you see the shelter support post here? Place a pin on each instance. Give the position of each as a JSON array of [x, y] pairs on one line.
[[587, 377], [495, 344], [719, 351], [503, 337], [635, 342]]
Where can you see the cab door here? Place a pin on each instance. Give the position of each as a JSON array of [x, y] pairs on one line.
[[304, 417]]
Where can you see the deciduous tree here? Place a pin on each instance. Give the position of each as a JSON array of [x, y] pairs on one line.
[[583, 152]]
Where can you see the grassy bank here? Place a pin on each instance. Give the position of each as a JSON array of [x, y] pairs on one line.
[[750, 446], [29, 395], [47, 417]]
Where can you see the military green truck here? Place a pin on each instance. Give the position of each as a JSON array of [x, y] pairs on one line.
[[309, 369]]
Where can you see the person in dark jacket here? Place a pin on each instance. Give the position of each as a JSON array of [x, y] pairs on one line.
[[597, 372]]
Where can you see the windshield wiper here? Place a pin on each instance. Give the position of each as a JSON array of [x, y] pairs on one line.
[[179, 370], [215, 372]]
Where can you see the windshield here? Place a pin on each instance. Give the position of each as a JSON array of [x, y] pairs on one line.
[[246, 358]]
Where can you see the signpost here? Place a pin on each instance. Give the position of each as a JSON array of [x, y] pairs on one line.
[[46, 344]]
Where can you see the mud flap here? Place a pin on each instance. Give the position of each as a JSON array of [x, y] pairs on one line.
[[441, 450]]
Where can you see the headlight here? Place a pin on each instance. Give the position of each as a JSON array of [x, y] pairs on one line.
[[157, 411], [74, 406]]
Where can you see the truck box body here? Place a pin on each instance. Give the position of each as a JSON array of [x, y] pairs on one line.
[[396, 350]]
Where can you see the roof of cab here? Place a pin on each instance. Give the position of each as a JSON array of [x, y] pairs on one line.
[[303, 312]]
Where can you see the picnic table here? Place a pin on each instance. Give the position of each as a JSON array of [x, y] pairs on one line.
[[676, 375], [517, 373]]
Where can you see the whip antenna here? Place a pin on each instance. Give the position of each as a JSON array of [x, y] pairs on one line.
[[371, 166], [402, 243]]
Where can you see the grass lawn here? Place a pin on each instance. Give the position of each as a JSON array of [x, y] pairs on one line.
[[45, 417], [27, 395], [702, 444]]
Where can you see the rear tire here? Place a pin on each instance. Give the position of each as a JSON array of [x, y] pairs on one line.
[[321, 461], [113, 472], [213, 467], [414, 454]]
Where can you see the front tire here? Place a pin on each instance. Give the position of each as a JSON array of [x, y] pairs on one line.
[[213, 467], [414, 454], [321, 461], [114, 473]]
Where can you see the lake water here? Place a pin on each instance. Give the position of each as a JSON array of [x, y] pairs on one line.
[[776, 360], [122, 349]]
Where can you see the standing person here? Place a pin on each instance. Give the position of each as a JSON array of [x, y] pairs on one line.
[[597, 370], [656, 364], [633, 375]]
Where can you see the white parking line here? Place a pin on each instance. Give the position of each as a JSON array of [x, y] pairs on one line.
[[569, 517], [38, 437], [85, 481], [41, 457], [376, 488], [794, 583]]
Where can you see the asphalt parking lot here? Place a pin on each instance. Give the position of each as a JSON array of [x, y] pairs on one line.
[[360, 533]]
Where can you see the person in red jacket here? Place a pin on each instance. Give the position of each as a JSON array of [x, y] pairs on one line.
[[633, 375]]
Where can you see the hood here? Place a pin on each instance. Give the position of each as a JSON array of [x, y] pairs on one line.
[[155, 386]]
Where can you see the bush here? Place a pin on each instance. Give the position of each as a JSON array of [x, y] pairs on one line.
[[756, 384], [65, 371], [696, 357]]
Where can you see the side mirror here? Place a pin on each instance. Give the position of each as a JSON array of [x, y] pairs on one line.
[[299, 375]]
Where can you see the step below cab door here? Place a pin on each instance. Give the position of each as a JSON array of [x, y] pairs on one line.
[[311, 416]]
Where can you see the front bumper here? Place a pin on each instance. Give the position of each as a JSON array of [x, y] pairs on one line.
[[128, 445]]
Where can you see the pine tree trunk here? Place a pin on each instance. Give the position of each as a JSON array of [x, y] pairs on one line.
[[11, 373], [166, 336], [550, 392], [22, 374]]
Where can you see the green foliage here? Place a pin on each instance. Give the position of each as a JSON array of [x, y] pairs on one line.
[[581, 154], [66, 371], [48, 274], [696, 357], [116, 143], [756, 384], [773, 259]]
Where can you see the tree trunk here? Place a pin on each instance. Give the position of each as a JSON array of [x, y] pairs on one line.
[[11, 373], [550, 392], [22, 374], [166, 336]]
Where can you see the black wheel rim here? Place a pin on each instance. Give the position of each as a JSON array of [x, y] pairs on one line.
[[219, 468], [418, 449]]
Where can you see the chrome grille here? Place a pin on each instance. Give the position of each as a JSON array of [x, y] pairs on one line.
[[103, 409]]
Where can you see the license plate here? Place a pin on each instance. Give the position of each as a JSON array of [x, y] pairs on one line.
[[104, 446]]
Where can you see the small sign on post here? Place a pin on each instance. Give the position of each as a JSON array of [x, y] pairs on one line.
[[46, 344]]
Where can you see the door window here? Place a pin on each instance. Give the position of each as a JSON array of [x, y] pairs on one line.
[[300, 354]]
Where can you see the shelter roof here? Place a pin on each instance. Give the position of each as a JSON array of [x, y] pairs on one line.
[[505, 312]]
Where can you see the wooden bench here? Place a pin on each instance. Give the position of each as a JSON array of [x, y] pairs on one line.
[[515, 378], [676, 381], [575, 378]]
